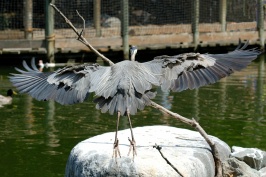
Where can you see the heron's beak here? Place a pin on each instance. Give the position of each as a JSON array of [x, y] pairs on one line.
[[15, 93]]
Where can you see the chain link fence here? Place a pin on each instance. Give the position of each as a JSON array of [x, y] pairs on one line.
[[146, 17]]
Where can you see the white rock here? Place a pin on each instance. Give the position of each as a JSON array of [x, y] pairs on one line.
[[234, 167], [263, 172], [254, 157], [185, 149]]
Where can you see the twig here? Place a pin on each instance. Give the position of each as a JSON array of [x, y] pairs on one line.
[[81, 38], [83, 30], [167, 161], [193, 122]]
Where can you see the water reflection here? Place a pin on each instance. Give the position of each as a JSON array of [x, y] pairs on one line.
[[29, 118], [260, 90], [52, 139], [39, 135]]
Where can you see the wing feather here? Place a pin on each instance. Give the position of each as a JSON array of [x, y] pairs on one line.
[[68, 85], [193, 70]]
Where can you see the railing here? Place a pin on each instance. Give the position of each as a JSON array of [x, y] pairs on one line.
[[116, 24]]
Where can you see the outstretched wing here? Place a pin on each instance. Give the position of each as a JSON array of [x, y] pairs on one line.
[[68, 85], [193, 70]]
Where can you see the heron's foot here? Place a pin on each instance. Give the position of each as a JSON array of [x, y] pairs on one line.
[[132, 148], [116, 151]]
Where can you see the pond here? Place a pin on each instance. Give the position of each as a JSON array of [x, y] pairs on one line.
[[36, 137]]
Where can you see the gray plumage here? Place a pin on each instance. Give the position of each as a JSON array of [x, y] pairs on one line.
[[127, 85]]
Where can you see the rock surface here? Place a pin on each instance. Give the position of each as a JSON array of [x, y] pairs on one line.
[[234, 167], [263, 172], [253, 157], [186, 150]]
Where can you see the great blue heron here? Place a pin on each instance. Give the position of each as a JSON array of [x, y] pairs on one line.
[[125, 87]]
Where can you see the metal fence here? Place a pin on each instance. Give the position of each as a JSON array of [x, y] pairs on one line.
[[104, 18], [141, 12]]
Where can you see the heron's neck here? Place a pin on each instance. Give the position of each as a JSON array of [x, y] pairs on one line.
[[132, 57]]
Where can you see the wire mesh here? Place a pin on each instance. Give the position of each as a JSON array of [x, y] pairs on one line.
[[146, 17], [241, 10], [110, 17], [241, 15], [10, 13]]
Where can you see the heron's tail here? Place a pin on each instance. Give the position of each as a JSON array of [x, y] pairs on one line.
[[122, 103]]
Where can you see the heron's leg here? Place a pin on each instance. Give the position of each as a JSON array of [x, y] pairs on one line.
[[116, 150], [132, 140]]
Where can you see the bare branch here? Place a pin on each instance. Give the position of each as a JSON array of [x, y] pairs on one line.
[[195, 124], [167, 161], [81, 38], [83, 30]]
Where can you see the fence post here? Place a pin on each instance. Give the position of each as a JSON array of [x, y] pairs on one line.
[[260, 22], [124, 30], [97, 16], [49, 30], [222, 15], [195, 24], [27, 19]]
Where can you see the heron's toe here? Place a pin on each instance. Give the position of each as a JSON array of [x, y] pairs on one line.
[[132, 147], [116, 151]]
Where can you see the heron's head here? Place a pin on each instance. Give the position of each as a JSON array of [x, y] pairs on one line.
[[133, 51]]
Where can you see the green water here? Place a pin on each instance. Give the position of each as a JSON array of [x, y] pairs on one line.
[[37, 137]]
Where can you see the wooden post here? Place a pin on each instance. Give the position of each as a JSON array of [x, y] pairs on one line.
[[222, 15], [124, 30], [49, 30], [195, 24], [260, 22], [97, 16], [27, 19]]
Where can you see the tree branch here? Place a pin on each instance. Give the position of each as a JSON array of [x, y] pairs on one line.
[[84, 25], [167, 161], [81, 38]]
